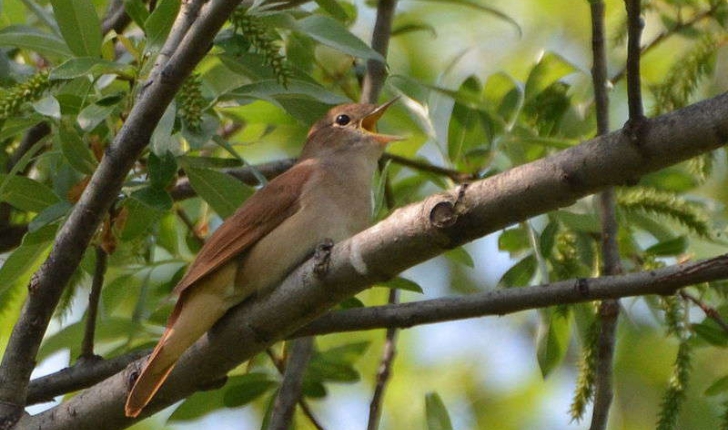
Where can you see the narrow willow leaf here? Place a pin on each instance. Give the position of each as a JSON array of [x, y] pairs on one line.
[[26, 257], [75, 150], [246, 388], [160, 22], [26, 194], [549, 69], [461, 256], [79, 26], [719, 386], [553, 341], [401, 283], [223, 192], [436, 413], [520, 274], [332, 33], [44, 44], [674, 246]]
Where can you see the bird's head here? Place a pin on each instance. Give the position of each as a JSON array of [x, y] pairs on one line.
[[348, 126]]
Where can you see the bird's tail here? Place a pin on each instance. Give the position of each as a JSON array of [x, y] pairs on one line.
[[155, 372], [197, 310]]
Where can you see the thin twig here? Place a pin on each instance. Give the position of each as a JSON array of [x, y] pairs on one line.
[[385, 370], [87, 346], [665, 35], [281, 366], [83, 374], [455, 175], [289, 393], [608, 309], [377, 70], [634, 80], [709, 311]]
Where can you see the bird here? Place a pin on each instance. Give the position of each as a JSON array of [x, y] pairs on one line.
[[326, 196]]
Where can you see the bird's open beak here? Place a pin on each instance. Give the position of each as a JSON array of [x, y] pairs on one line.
[[369, 123]]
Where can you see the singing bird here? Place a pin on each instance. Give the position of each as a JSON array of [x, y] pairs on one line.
[[326, 195]]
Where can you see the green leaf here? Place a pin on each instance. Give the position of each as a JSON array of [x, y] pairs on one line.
[[81, 66], [107, 330], [79, 26], [674, 246], [401, 283], [270, 90], [161, 169], [553, 341], [550, 69], [26, 194], [137, 11], [162, 139], [720, 386], [520, 274], [468, 128], [49, 215], [332, 33], [160, 22], [710, 332], [436, 413], [209, 162], [32, 40], [48, 106], [322, 369], [347, 353], [27, 256], [548, 238], [223, 192], [461, 256], [77, 153], [588, 223], [92, 115], [247, 388], [333, 8], [514, 240], [14, 126], [154, 198]]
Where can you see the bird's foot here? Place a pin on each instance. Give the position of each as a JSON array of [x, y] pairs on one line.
[[322, 257]]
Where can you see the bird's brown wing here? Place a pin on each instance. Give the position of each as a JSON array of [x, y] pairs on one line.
[[260, 214]]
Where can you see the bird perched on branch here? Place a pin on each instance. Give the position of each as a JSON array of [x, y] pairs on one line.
[[326, 195]]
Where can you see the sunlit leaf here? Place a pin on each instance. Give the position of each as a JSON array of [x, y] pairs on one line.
[[521, 274], [79, 26], [436, 413], [553, 341], [401, 283], [159, 23]]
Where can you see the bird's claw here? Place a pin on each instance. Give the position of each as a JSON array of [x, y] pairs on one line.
[[322, 257]]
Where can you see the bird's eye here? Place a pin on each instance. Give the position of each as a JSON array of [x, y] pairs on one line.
[[342, 119]]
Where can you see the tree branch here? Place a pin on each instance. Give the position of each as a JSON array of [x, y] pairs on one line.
[[376, 70], [81, 375], [384, 371], [49, 281], [409, 236], [87, 347], [608, 309], [289, 393]]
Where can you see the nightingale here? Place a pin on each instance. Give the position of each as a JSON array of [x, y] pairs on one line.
[[326, 195]]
